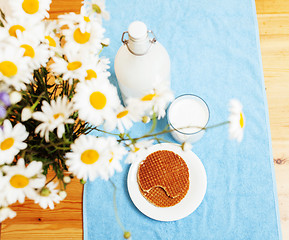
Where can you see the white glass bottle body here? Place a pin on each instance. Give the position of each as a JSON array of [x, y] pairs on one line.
[[137, 75]]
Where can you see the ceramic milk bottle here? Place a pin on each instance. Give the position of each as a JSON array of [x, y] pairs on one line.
[[141, 62]]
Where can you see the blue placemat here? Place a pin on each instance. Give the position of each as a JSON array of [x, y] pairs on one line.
[[215, 53]]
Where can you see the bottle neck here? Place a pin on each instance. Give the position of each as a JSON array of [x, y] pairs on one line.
[[139, 46]]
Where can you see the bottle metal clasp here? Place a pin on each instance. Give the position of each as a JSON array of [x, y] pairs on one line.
[[125, 41]]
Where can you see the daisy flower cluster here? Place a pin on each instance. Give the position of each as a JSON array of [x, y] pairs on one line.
[[54, 91]]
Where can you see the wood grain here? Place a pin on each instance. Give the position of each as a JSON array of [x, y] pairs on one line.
[[58, 7], [35, 223], [65, 221]]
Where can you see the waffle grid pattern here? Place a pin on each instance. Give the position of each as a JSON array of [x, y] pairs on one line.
[[163, 178]]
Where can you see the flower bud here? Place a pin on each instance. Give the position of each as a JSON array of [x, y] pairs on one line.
[[5, 99], [62, 194], [45, 192], [146, 119], [96, 8], [15, 97], [105, 42], [186, 146], [126, 235], [66, 179], [82, 181], [26, 114]]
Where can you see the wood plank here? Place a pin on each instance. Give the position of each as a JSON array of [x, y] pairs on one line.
[[283, 194], [272, 6], [64, 6], [34, 223], [273, 24], [274, 36], [275, 52]]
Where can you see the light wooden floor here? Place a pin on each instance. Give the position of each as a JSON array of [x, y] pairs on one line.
[[65, 222]]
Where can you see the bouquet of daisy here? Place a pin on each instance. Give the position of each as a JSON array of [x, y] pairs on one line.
[[58, 110]]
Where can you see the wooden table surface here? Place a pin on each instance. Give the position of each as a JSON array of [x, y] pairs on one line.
[[65, 221]]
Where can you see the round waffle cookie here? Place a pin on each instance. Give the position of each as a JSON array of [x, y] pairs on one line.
[[164, 169], [158, 197]]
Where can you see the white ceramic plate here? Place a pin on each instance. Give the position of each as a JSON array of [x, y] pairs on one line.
[[194, 197]]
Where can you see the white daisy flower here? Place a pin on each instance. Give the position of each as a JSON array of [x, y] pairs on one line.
[[36, 52], [73, 68], [117, 152], [50, 38], [13, 67], [86, 39], [96, 100], [11, 141], [96, 67], [6, 212], [54, 116], [21, 181], [47, 196], [96, 9], [35, 10], [123, 119], [237, 120], [156, 101], [138, 150], [16, 27], [88, 157]]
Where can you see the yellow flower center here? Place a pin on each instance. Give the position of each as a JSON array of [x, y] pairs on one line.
[[96, 8], [57, 115], [90, 74], [74, 65], [30, 6], [80, 37], [135, 149], [19, 181], [51, 41], [13, 29], [89, 156], [110, 160], [87, 19], [29, 51], [8, 69], [242, 122], [149, 97], [122, 114], [7, 144], [97, 100]]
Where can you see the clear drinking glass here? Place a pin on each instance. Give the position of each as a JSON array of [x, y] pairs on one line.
[[188, 115]]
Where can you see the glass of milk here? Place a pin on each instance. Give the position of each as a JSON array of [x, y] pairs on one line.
[[188, 115]]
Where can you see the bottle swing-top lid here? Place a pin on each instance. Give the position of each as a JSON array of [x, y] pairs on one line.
[[138, 42]]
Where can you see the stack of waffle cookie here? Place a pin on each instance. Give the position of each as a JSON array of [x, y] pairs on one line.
[[163, 178]]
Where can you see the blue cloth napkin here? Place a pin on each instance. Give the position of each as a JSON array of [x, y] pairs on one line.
[[215, 53]]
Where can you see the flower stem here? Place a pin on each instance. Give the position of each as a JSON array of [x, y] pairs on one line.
[[51, 180], [115, 206], [217, 125], [154, 124], [37, 101], [97, 129], [171, 130]]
